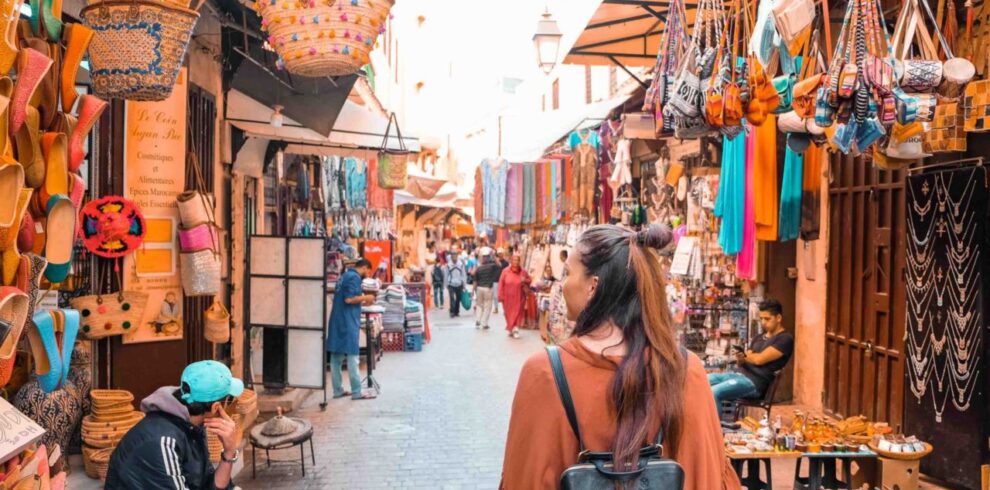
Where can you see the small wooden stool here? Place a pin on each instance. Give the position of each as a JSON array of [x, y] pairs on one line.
[[269, 443]]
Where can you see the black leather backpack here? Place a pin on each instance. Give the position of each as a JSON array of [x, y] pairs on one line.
[[594, 470]]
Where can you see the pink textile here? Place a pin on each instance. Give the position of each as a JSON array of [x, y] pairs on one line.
[[746, 260]]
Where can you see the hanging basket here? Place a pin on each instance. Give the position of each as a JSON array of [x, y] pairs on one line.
[[138, 47], [319, 38]]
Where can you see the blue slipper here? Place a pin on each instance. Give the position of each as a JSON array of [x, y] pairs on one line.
[[70, 331], [47, 363]]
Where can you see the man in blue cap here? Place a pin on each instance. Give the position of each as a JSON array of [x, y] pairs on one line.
[[343, 333], [167, 449]]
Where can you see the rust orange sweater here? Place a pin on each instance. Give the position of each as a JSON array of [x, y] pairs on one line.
[[541, 445]]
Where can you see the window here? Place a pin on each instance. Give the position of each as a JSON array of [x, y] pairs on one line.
[[556, 94], [613, 81], [587, 84]]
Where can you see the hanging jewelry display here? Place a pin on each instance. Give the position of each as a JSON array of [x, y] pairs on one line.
[[944, 340]]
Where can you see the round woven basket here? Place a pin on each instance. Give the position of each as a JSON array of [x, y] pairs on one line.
[[94, 423], [102, 398], [326, 37], [96, 461], [138, 47]]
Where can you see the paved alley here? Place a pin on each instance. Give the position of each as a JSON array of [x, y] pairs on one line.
[[440, 421]]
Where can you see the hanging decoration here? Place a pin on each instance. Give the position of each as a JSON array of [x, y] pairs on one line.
[[319, 38], [111, 226], [138, 46]]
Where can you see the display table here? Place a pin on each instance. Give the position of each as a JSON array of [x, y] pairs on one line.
[[269, 443], [822, 468]]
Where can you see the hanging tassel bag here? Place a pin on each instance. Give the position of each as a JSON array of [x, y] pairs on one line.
[[670, 53], [922, 74], [107, 314], [216, 323], [956, 71], [392, 164]]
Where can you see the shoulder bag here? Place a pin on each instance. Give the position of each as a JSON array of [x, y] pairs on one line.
[[392, 163], [594, 470]]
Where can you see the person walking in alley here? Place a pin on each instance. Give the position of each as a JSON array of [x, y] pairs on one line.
[[486, 276], [756, 367], [438, 280], [512, 293], [456, 278], [629, 378], [167, 448], [345, 329]]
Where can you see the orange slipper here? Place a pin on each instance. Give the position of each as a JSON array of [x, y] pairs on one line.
[[91, 108], [9, 14], [6, 91], [11, 183], [32, 66], [28, 144], [11, 256], [45, 97], [56, 169], [77, 38], [13, 317]]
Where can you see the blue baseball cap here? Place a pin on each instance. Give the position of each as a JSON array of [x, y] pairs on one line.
[[209, 381]]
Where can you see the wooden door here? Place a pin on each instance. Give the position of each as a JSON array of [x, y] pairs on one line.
[[865, 316]]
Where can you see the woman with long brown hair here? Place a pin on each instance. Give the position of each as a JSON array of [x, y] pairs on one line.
[[627, 374]]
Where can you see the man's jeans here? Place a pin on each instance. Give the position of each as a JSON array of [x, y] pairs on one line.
[[455, 300], [730, 386], [353, 372], [438, 295]]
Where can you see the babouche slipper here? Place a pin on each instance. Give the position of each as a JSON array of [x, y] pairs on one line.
[[60, 233]]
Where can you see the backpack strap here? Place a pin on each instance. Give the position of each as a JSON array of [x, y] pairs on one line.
[[560, 379]]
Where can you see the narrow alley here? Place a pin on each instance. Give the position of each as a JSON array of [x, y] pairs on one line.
[[440, 421]]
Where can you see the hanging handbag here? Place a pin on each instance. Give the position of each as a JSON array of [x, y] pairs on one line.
[[947, 131], [976, 107], [791, 122], [793, 19], [639, 125], [956, 71], [392, 164], [916, 75], [594, 470], [200, 272], [196, 206], [106, 314], [216, 323]]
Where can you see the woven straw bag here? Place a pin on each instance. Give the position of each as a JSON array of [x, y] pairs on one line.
[[216, 323], [200, 272], [138, 47], [392, 164], [96, 461], [325, 38]]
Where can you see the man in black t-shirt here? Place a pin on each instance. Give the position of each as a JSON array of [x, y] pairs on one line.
[[768, 353]]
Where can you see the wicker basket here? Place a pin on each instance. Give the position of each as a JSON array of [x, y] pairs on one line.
[[247, 403], [96, 461], [138, 47], [323, 38], [213, 442]]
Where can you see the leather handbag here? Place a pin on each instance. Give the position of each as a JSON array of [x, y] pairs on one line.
[[392, 164], [594, 470], [104, 315], [793, 18]]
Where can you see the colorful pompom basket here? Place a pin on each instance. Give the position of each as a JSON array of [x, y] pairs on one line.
[[319, 38]]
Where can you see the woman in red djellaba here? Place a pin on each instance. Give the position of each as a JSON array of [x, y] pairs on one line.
[[512, 293]]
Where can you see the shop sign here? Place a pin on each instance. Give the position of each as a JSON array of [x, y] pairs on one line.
[[683, 255], [154, 174], [379, 253], [17, 431]]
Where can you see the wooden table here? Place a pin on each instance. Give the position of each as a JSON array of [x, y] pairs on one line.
[[823, 470], [749, 463]]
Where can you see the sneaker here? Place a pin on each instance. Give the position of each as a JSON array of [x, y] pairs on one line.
[[477, 325], [515, 333], [487, 327]]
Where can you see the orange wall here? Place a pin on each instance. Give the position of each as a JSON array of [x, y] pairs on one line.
[[809, 352]]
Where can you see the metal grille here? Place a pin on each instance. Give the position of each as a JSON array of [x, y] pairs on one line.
[[201, 123], [864, 340]]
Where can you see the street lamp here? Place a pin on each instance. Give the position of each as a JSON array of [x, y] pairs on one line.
[[547, 41]]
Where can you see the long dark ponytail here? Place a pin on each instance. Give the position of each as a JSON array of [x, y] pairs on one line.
[[631, 294]]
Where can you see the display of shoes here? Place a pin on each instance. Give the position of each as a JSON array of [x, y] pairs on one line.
[[60, 234]]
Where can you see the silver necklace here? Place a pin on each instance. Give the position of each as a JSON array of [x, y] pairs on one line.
[[966, 195], [921, 210], [914, 234]]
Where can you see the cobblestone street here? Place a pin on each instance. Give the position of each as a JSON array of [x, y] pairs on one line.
[[440, 421]]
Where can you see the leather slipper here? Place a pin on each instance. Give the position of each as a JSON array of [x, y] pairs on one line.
[[9, 15], [47, 363], [60, 231], [32, 66], [28, 144], [77, 39], [13, 316], [53, 147], [91, 108]]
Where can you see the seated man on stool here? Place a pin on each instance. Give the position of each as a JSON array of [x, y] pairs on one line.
[[768, 353]]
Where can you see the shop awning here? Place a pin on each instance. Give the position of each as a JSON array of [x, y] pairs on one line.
[[358, 129], [529, 140], [625, 33]]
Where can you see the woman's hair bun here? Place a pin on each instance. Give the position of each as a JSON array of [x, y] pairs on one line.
[[655, 236]]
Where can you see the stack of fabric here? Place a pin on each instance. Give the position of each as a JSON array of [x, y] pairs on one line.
[[393, 298], [112, 416], [415, 321]]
